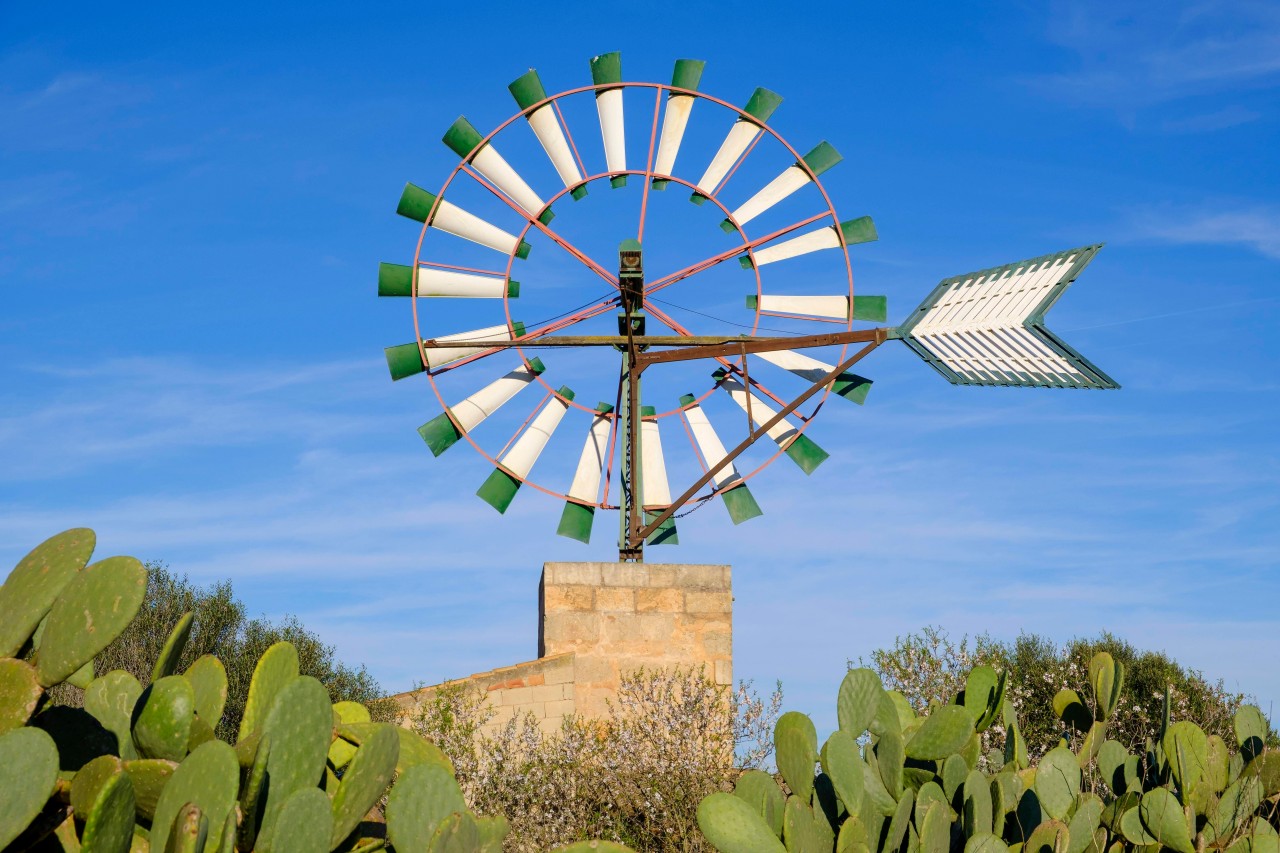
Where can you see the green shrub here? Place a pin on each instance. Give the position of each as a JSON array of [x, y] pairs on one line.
[[222, 628], [929, 667], [635, 777]]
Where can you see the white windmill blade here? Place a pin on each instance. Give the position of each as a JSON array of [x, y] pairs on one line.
[[819, 160], [442, 432], [675, 119], [728, 482], [416, 204], [407, 359], [579, 511], [500, 488], [397, 280], [801, 449], [851, 386], [654, 488], [607, 69], [528, 91], [744, 131], [870, 309], [860, 230], [987, 327], [465, 141]]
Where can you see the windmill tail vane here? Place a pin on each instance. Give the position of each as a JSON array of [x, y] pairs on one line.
[[984, 328]]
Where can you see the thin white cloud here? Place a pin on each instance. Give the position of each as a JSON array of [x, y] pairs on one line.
[[1231, 116], [1131, 54], [1256, 227]]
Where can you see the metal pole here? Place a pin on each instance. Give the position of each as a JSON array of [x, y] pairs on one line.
[[764, 428]]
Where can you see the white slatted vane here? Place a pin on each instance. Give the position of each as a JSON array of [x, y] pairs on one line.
[[738, 499], [860, 230], [465, 141], [528, 91], [514, 466], [397, 280], [606, 69], [850, 386], [743, 132], [801, 449], [579, 511], [406, 359], [870, 309], [416, 204], [655, 492], [819, 160], [676, 118], [987, 327], [442, 432]]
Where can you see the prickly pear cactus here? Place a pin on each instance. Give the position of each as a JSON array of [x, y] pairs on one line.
[[139, 770], [903, 783]]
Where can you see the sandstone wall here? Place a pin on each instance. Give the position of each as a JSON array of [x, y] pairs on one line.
[[598, 621]]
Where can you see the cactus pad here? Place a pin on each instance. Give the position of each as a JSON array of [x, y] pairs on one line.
[[1186, 747], [840, 761], [149, 776], [458, 833], [93, 609], [86, 784], [797, 745], [986, 843], [208, 777], [109, 826], [208, 679], [37, 581], [298, 726], [305, 824], [1251, 731], [935, 828], [422, 798], [944, 732], [351, 712], [1162, 817], [162, 718], [757, 789], [167, 662], [190, 831], [858, 701], [365, 780], [277, 667], [28, 774], [111, 699], [1052, 836], [20, 692], [1057, 781], [733, 826], [1085, 816], [977, 806]]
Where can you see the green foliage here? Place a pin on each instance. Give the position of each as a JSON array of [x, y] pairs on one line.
[[221, 630], [140, 768], [1055, 687], [1184, 791], [635, 776]]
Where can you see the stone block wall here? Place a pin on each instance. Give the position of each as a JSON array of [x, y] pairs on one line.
[[598, 621]]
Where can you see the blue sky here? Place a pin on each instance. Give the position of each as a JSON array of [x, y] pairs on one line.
[[194, 200]]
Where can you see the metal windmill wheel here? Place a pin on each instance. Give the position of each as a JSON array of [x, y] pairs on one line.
[[804, 323]]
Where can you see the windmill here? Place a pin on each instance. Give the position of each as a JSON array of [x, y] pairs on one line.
[[983, 328]]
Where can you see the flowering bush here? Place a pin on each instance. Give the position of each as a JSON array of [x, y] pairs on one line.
[[636, 776]]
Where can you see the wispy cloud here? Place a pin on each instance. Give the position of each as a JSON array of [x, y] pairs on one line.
[[1131, 55], [1231, 116], [1256, 227]]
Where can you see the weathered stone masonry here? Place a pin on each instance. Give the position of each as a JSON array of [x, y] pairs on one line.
[[598, 621]]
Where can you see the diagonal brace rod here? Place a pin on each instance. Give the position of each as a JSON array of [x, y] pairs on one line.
[[754, 436]]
